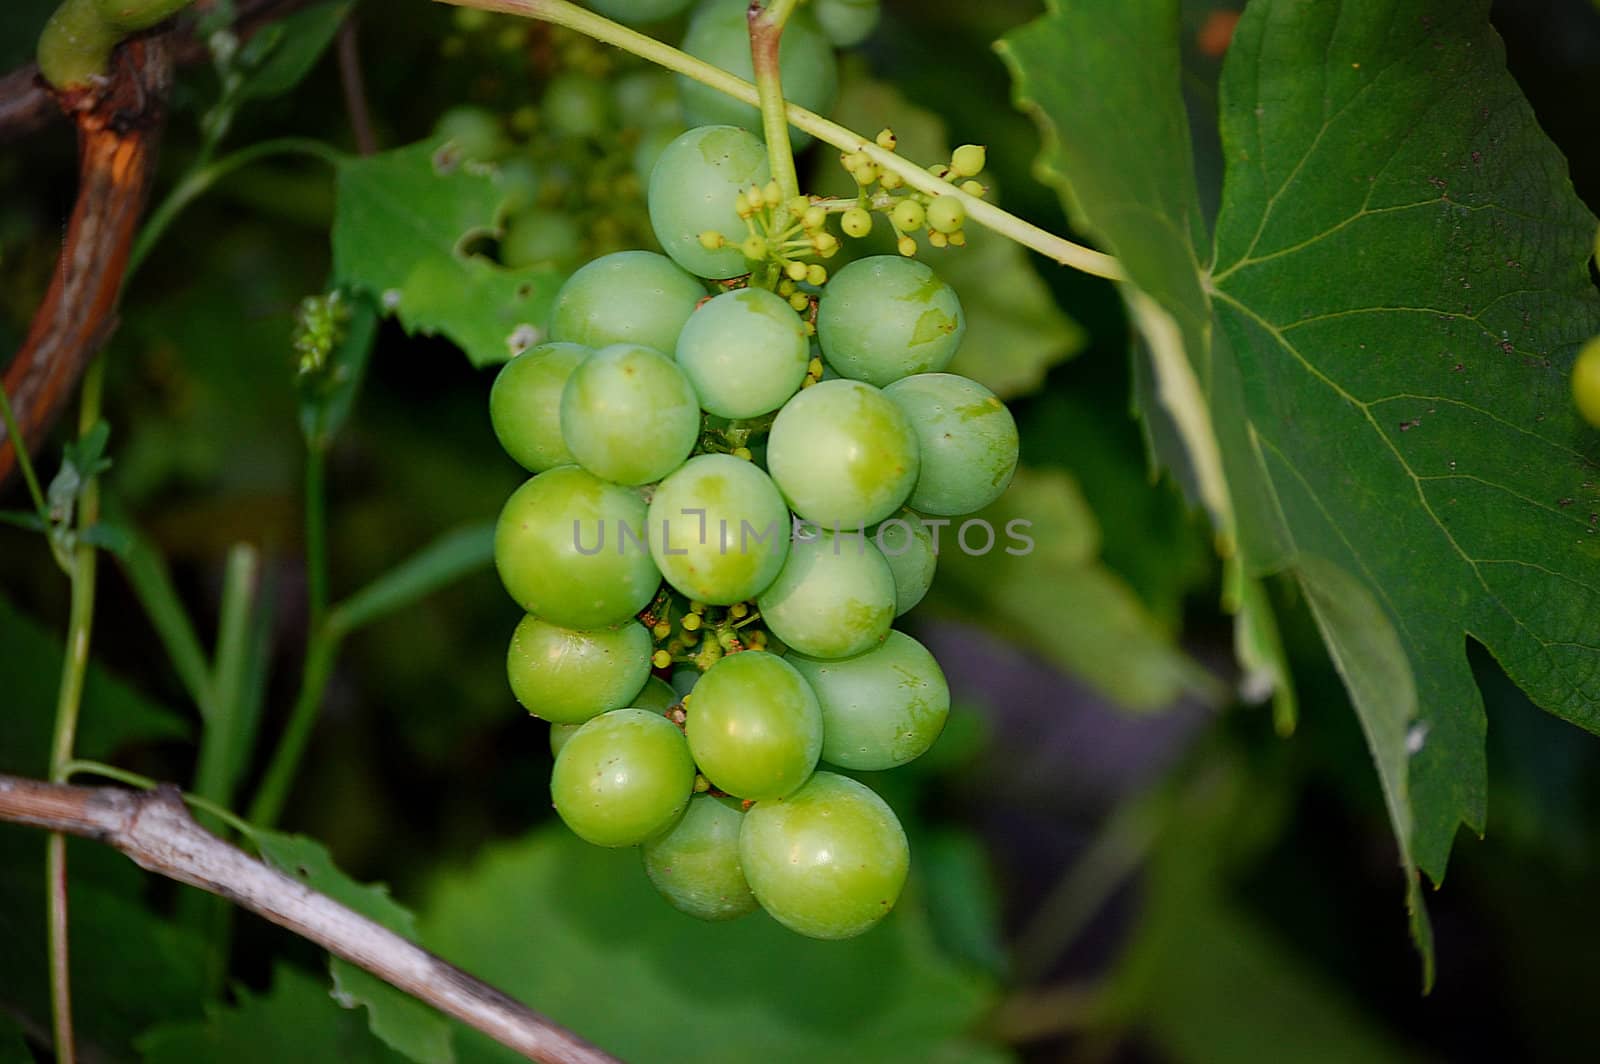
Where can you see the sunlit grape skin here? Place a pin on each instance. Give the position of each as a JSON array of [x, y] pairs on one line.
[[887, 317], [879, 709], [907, 545], [567, 676], [720, 34], [550, 556], [833, 598], [754, 726], [525, 405], [695, 864], [657, 696], [745, 352], [622, 777], [629, 415], [694, 186], [828, 861], [842, 454], [966, 438], [719, 530], [660, 296]]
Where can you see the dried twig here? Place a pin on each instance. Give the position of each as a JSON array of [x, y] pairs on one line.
[[154, 828]]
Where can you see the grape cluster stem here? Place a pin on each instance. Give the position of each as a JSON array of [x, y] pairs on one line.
[[986, 214]]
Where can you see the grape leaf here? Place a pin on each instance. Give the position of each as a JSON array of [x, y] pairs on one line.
[[1057, 598], [1015, 331], [1371, 382], [552, 920], [294, 1021], [279, 56], [403, 227], [398, 1019]]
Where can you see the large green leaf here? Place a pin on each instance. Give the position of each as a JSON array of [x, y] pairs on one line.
[[1372, 381], [578, 933], [399, 1019], [403, 232]]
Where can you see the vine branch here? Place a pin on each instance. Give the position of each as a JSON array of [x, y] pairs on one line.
[[155, 830], [986, 214]]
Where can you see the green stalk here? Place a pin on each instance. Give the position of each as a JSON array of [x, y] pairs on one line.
[[980, 211], [316, 536], [766, 35], [74, 666], [19, 447], [274, 793]]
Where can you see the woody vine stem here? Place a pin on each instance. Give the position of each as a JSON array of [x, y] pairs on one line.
[[573, 17]]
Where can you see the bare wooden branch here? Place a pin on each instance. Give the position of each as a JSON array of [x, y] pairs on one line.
[[154, 828]]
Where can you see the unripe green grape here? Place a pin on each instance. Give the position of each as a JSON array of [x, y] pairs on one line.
[[946, 214], [1586, 382], [847, 22], [754, 726], [558, 549], [829, 861], [657, 696], [966, 437], [719, 530], [647, 99], [907, 545], [525, 405], [695, 188], [879, 709], [538, 237], [907, 215], [567, 676], [627, 297], [653, 142], [518, 177], [887, 317], [969, 160], [636, 12], [833, 598], [476, 133], [745, 352], [843, 455], [576, 105], [629, 415], [856, 222], [719, 33], [622, 777], [695, 864]]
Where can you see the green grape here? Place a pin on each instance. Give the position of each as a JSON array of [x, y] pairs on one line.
[[966, 437], [946, 214], [567, 676], [834, 597], [754, 726], [629, 415], [627, 297], [636, 12], [879, 709], [907, 545], [828, 861], [1586, 382], [653, 143], [842, 454], [476, 133], [694, 189], [695, 865], [622, 777], [887, 317], [647, 99], [539, 237], [745, 352], [560, 547], [657, 696], [525, 405], [684, 679], [576, 105], [720, 34], [719, 530], [847, 22], [518, 177]]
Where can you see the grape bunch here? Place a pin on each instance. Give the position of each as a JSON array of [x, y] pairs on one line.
[[738, 463]]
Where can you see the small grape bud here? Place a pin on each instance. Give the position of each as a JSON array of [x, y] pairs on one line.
[[691, 622], [886, 139], [798, 205], [813, 217], [696, 606], [824, 242], [712, 240], [865, 175], [739, 611], [744, 453], [856, 222], [786, 288], [701, 784], [772, 195], [974, 188], [969, 160], [661, 630], [814, 368], [945, 214], [937, 239], [906, 246], [889, 180], [939, 170], [796, 271], [907, 215], [958, 239], [799, 301], [816, 274], [754, 248], [661, 659]]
